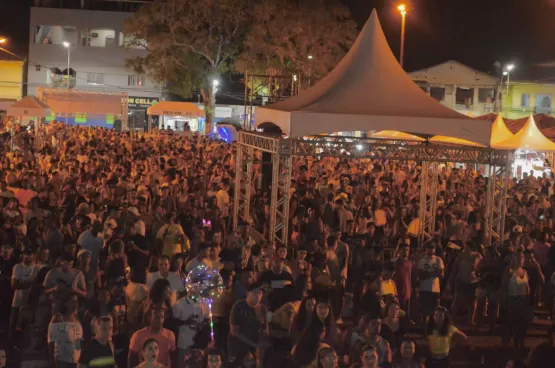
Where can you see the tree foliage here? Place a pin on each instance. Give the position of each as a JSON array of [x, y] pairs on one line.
[[190, 42], [285, 33]]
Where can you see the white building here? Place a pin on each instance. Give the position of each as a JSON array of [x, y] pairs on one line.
[[459, 87], [96, 54]]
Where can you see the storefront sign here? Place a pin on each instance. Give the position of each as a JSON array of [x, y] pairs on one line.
[[142, 103], [178, 113], [223, 112]]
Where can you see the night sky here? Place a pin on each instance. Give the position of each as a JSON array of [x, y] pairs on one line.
[[474, 32]]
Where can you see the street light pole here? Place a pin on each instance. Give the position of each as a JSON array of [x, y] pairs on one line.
[[508, 71], [309, 70], [67, 46], [403, 10], [215, 84]]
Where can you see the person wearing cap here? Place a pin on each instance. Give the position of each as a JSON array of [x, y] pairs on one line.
[[249, 330], [276, 276], [23, 275]]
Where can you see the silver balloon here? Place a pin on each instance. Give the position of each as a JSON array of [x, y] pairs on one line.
[[204, 284]]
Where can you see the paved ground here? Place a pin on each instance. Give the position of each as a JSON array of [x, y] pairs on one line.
[[485, 348]]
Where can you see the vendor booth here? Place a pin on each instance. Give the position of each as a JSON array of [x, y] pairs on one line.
[[30, 108], [176, 116], [531, 147], [86, 108]]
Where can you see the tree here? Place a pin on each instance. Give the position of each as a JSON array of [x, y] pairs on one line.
[[190, 44], [304, 37]]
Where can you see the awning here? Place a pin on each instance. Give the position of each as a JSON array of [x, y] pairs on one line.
[[453, 140], [528, 137], [64, 102], [29, 106], [396, 135], [173, 108]]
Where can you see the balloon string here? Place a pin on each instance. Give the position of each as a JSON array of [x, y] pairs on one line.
[[211, 322]]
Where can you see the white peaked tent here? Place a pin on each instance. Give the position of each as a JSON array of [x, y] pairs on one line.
[[368, 90], [499, 131], [528, 137]]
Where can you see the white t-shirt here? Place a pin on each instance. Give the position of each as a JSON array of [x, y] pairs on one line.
[[427, 263], [183, 310], [67, 338], [194, 263], [23, 273], [176, 284]]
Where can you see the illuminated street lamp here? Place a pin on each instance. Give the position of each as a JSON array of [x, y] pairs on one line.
[[67, 45], [403, 10], [3, 40]]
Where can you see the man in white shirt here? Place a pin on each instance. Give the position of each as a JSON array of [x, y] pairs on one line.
[[190, 315], [176, 283], [430, 268], [201, 258], [23, 275], [222, 199]]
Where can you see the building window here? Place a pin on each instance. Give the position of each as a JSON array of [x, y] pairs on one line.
[[525, 100], [95, 78], [55, 35], [543, 102], [486, 95], [98, 37], [437, 93], [136, 80], [464, 96], [37, 68]]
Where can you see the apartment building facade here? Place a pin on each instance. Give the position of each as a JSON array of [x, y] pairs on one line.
[[459, 87], [96, 56]]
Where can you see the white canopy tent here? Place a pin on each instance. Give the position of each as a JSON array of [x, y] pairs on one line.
[[368, 90]]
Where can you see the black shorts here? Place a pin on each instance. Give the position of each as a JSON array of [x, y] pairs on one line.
[[428, 302]]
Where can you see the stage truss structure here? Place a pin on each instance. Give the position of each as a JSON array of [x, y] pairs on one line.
[[429, 155]]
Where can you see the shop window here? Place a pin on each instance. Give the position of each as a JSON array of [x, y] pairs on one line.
[[486, 95], [98, 37], [437, 93], [55, 35], [136, 80], [525, 100], [95, 78]]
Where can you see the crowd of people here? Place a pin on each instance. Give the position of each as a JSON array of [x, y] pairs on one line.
[[100, 229]]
